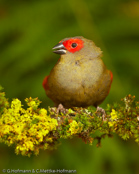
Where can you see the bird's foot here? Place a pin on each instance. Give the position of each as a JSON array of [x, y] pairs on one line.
[[99, 109], [61, 108]]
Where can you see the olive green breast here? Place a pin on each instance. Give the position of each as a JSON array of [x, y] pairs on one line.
[[79, 82]]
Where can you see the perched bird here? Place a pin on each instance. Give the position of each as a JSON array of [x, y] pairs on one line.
[[80, 78]]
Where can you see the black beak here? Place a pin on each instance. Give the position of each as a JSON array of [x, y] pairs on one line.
[[59, 49]]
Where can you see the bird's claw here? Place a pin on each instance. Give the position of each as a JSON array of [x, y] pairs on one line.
[[99, 109], [61, 108]]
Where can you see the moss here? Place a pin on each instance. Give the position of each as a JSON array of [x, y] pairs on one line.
[[36, 128]]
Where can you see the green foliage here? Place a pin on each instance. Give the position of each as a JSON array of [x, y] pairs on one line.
[[36, 128], [29, 30]]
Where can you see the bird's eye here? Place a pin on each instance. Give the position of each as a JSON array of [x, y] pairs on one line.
[[74, 45]]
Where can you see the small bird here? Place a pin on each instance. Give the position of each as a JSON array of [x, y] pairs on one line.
[[80, 78]]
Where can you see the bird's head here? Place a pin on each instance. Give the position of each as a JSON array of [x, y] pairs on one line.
[[77, 46]]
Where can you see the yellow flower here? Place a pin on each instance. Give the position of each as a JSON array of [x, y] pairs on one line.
[[111, 123], [43, 111], [113, 115], [75, 127], [16, 104]]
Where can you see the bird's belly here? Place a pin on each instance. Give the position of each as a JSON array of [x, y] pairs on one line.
[[75, 86]]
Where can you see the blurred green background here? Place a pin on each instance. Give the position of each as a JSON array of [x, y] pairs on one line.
[[28, 31]]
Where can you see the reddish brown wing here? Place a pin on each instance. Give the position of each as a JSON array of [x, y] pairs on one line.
[[111, 76], [45, 83]]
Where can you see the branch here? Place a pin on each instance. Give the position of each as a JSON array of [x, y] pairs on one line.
[[34, 128]]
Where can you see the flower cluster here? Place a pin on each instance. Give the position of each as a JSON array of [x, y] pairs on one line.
[[75, 127], [113, 119], [28, 129]]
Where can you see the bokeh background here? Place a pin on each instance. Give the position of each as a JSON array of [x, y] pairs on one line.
[[28, 31]]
